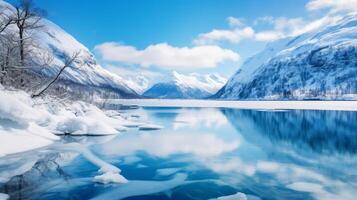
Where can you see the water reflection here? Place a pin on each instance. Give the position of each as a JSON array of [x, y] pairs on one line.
[[208, 153], [325, 132]]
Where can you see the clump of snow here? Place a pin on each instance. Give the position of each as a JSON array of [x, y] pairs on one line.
[[21, 123], [89, 120], [4, 196], [18, 107], [110, 177], [109, 173], [150, 127]]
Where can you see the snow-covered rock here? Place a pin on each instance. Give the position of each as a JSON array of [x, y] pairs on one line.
[[315, 65], [85, 72], [187, 86], [110, 177]]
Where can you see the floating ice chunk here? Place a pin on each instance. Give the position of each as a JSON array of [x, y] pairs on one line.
[[85, 126], [150, 127], [137, 188], [110, 177], [90, 120], [237, 196]]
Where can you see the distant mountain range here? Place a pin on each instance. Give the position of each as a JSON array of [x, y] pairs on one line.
[[317, 65], [192, 86]]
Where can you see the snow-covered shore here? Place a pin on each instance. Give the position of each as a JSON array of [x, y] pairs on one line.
[[269, 105], [27, 123]]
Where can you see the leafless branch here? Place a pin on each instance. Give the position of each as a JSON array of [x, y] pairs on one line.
[[67, 63]]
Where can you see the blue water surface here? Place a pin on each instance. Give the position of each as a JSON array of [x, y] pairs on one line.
[[205, 153]]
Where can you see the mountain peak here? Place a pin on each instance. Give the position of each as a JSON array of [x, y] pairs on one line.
[[318, 64]]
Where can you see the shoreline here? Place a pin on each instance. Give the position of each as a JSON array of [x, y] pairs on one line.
[[268, 105]]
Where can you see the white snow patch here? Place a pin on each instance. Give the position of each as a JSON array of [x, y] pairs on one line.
[[4, 196], [110, 177], [21, 124], [91, 121]]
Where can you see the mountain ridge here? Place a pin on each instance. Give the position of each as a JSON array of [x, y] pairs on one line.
[[315, 65], [186, 86]]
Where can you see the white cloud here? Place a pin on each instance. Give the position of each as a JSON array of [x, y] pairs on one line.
[[287, 27], [166, 56], [281, 27], [266, 36], [264, 20], [332, 5], [233, 36], [234, 22]]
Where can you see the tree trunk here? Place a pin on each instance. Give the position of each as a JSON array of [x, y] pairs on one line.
[[22, 54]]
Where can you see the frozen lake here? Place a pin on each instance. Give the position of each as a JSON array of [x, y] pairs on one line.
[[200, 153]]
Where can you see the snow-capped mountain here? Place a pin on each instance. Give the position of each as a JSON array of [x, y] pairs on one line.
[[317, 65], [187, 86], [86, 73]]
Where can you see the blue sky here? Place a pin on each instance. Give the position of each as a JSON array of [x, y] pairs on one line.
[[155, 37]]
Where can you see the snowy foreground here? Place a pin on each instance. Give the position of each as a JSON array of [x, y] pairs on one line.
[[265, 105], [27, 123]]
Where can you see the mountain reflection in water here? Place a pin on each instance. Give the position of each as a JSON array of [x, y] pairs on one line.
[[203, 153]]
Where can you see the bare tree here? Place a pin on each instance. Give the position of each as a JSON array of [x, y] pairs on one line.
[[6, 18], [68, 63], [27, 18]]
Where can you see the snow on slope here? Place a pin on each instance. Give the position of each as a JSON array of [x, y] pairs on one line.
[[51, 38], [319, 64], [187, 86], [27, 123]]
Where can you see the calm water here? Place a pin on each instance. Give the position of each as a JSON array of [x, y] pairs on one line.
[[202, 154]]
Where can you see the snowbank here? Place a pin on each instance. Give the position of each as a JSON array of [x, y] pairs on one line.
[[22, 125], [27, 123], [4, 196]]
